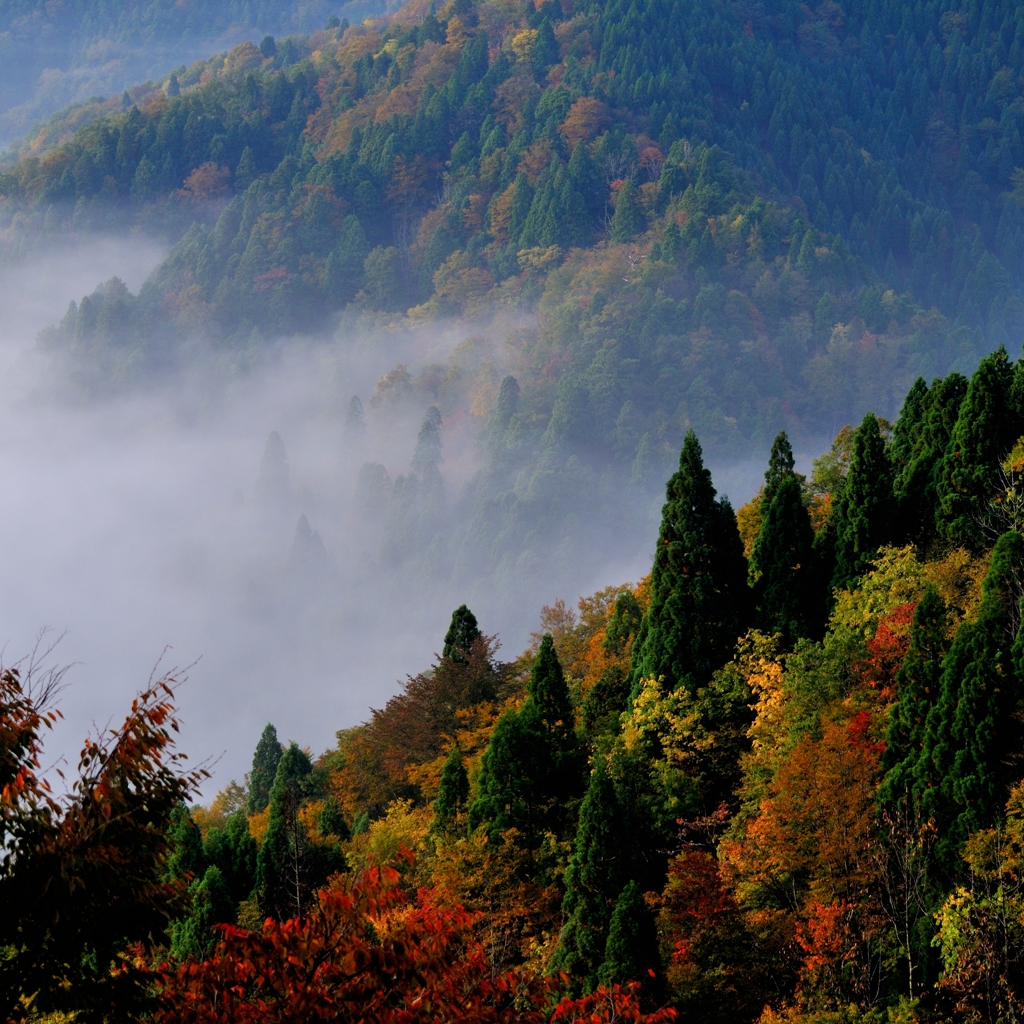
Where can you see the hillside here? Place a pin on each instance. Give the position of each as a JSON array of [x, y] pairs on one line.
[[53, 54], [778, 779]]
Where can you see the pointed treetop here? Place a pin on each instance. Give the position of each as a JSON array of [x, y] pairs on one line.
[[264, 769], [547, 687], [780, 465], [462, 634], [452, 794]]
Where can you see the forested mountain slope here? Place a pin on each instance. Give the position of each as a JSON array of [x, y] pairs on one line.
[[727, 217], [52, 54]]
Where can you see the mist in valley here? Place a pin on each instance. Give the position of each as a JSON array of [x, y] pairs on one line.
[[162, 529]]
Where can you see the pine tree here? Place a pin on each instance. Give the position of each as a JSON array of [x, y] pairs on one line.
[[864, 516], [699, 590], [264, 769], [628, 220], [593, 880], [631, 953], [545, 48], [783, 559], [971, 735], [452, 795], [917, 690], [908, 425], [985, 430], [462, 634]]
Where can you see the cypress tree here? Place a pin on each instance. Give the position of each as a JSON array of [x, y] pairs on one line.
[[187, 860], [545, 48], [593, 880], [917, 689], [452, 795], [783, 559], [780, 467], [985, 431], [462, 634], [282, 868], [232, 850], [428, 443], [194, 937], [908, 425], [971, 735], [916, 483], [531, 772], [522, 200], [622, 625], [264, 768], [628, 220], [864, 516], [699, 587], [631, 953]]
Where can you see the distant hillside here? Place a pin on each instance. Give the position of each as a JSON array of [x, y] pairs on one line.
[[53, 54], [732, 217]]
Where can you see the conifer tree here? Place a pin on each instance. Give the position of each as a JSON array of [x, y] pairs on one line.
[[187, 861], [593, 881], [264, 769], [462, 634], [971, 735], [428, 443], [232, 850], [452, 795], [907, 428], [917, 690], [780, 467], [985, 430], [282, 869], [631, 953], [545, 48], [783, 559], [915, 485], [699, 590], [193, 937], [531, 772], [628, 220], [864, 517], [622, 625]]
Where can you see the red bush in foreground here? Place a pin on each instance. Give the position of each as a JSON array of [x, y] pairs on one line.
[[371, 955]]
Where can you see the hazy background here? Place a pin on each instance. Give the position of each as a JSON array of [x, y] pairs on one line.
[[134, 524]]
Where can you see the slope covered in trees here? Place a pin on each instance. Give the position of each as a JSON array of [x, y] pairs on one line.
[[657, 808]]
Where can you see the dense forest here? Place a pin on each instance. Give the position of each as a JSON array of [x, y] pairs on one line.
[[780, 778], [53, 54]]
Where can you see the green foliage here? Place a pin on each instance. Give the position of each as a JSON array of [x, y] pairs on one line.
[[593, 881], [462, 634], [970, 737], [194, 936], [698, 583], [986, 428], [452, 795], [782, 560], [864, 512], [265, 761], [187, 861], [631, 953], [232, 850]]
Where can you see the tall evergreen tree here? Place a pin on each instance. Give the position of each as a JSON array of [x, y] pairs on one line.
[[545, 48], [187, 859], [972, 739], [783, 561], [462, 634], [631, 953], [623, 624], [193, 937], [452, 795], [985, 430], [628, 220], [593, 881], [907, 428], [780, 467], [917, 690], [282, 866], [531, 772], [699, 590], [916, 482], [232, 850], [428, 443], [864, 516], [264, 769]]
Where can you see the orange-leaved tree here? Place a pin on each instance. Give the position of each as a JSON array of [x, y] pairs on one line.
[[369, 952], [82, 877]]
